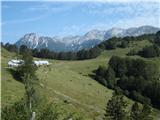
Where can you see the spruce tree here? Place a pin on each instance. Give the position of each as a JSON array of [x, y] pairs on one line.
[[135, 112], [28, 77], [146, 113], [138, 113], [115, 109]]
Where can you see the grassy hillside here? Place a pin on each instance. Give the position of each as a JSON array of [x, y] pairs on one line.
[[12, 90], [68, 83]]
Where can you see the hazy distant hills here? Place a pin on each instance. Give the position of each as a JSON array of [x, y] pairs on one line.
[[75, 43]]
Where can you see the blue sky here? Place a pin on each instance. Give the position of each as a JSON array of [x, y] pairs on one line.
[[50, 18]]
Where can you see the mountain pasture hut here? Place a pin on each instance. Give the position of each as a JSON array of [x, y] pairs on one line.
[[40, 62], [15, 63]]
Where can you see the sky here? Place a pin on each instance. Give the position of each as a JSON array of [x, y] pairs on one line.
[[51, 18]]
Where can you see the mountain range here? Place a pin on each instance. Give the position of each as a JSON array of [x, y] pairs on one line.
[[86, 41]]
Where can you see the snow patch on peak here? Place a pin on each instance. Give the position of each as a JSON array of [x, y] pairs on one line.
[[86, 41]]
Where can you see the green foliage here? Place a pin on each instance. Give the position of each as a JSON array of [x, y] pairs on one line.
[[124, 43], [10, 47], [23, 49], [101, 70], [115, 109], [80, 55], [75, 73], [118, 65], [150, 51], [157, 38], [73, 116], [51, 111], [139, 97], [138, 113], [27, 74], [132, 83], [134, 67], [146, 113], [18, 111], [27, 67], [135, 78], [106, 76], [112, 43], [152, 91], [110, 78], [135, 112], [47, 112], [30, 92], [132, 52]]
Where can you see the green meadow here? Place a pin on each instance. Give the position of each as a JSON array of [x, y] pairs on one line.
[[68, 83]]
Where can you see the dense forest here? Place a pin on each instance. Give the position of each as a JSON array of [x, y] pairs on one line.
[[80, 55], [135, 77]]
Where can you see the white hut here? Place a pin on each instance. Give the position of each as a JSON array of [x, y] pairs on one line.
[[39, 63], [15, 63]]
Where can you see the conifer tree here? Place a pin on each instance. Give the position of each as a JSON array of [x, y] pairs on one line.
[[135, 112], [140, 114], [115, 109], [28, 77], [146, 113]]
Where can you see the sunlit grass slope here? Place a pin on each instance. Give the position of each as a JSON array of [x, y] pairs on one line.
[[68, 83], [11, 90]]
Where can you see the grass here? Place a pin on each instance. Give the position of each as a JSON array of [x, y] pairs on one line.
[[80, 90], [11, 90], [68, 84]]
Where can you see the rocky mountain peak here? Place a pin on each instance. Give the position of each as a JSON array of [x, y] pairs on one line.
[[86, 41]]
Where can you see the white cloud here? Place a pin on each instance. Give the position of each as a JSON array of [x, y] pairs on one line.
[[126, 23], [146, 13], [121, 1], [122, 23], [138, 21], [129, 15], [138, 8]]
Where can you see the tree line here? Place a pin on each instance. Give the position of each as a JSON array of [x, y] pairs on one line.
[[94, 52], [118, 42], [149, 51], [80, 55], [137, 78], [46, 53]]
